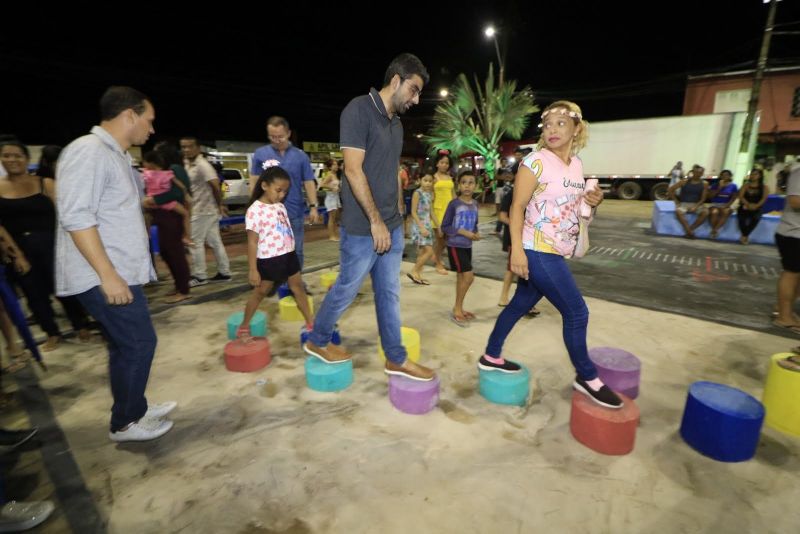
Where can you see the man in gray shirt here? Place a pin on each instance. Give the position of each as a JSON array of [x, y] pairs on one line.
[[787, 238], [371, 137], [102, 254]]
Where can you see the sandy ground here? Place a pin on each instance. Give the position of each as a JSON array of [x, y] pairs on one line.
[[248, 456]]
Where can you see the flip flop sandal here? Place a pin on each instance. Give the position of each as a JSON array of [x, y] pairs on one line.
[[460, 322], [469, 316], [15, 365], [415, 280]]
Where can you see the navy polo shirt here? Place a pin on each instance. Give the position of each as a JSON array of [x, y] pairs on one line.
[[365, 125]]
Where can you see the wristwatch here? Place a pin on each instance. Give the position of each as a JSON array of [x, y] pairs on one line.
[[313, 205]]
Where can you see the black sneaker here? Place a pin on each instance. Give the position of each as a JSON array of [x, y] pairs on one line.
[[506, 367], [604, 396], [219, 277]]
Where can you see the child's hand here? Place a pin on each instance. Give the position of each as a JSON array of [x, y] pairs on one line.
[[424, 232], [254, 278], [475, 236]]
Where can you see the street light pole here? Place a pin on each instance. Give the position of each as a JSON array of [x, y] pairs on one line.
[[492, 33]]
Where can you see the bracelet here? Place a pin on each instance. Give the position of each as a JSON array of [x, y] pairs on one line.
[[313, 205]]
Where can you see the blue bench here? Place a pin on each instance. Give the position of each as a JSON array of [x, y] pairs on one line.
[[666, 223]]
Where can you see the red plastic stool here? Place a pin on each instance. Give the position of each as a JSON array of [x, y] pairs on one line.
[[604, 430], [247, 357]]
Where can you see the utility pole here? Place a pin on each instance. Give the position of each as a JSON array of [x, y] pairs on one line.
[[755, 93]]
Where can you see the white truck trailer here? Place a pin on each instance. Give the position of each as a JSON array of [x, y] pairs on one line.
[[633, 158]]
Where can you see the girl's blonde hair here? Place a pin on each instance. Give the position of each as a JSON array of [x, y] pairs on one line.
[[573, 110]]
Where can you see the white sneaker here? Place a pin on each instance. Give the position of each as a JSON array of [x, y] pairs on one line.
[[142, 430], [159, 411], [18, 516]]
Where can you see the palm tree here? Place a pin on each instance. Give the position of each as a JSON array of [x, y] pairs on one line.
[[476, 121]]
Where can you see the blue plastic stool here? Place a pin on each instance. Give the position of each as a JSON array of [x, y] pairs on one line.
[[505, 388], [336, 338], [258, 324], [284, 291], [721, 422], [328, 377]]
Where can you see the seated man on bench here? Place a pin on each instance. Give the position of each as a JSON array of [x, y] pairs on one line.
[[689, 195]]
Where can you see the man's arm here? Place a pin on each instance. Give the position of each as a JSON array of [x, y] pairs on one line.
[[311, 193], [401, 205], [354, 174], [673, 190], [111, 283]]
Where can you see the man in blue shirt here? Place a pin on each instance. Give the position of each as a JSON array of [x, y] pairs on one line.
[[280, 151]]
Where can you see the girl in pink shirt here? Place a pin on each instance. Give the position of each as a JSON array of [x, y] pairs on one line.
[[271, 256], [545, 221]]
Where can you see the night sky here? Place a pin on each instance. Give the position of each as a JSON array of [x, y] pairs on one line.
[[219, 74]]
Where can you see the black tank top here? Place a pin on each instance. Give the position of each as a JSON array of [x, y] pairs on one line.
[[34, 213], [754, 197], [691, 192]]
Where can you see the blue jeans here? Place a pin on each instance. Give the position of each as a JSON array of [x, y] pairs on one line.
[[298, 229], [357, 259], [131, 345], [549, 277]]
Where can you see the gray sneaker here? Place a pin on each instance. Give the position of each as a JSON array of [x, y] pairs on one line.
[[194, 281]]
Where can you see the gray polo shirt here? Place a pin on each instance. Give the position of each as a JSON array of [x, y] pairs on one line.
[[97, 186], [790, 220], [365, 125]]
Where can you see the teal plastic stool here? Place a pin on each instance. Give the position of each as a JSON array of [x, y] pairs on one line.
[[328, 377], [258, 324], [505, 388]]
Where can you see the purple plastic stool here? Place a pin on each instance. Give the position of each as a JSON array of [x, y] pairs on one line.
[[413, 396], [618, 369]]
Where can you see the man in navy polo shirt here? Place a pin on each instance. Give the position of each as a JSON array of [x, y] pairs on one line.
[[280, 151], [371, 138]]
